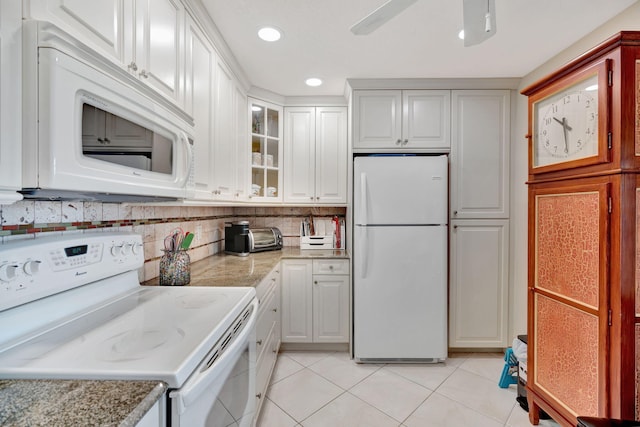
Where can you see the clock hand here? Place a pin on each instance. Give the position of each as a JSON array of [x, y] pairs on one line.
[[565, 128], [563, 122]]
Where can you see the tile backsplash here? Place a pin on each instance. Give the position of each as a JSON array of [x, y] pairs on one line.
[[31, 219]]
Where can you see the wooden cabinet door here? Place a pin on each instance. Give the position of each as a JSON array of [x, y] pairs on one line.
[[330, 308], [426, 119], [568, 296], [297, 301], [377, 119], [480, 154], [331, 155], [478, 289]]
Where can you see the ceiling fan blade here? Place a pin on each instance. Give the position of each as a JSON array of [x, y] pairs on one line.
[[478, 26], [380, 16]]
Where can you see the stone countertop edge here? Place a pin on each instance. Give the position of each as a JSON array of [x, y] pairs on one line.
[[229, 270], [77, 402]]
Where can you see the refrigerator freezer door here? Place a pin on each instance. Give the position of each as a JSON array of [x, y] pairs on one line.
[[400, 292], [392, 190]]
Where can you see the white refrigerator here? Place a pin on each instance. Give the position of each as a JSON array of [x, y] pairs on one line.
[[400, 258]]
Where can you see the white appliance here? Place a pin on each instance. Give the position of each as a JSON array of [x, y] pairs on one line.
[[87, 123], [71, 307], [400, 258]]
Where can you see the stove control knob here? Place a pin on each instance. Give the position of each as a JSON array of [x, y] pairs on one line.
[[31, 267], [8, 272], [136, 248], [126, 248], [116, 250]]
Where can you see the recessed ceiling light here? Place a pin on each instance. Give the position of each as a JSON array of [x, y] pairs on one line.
[[269, 34], [313, 82], [461, 34]]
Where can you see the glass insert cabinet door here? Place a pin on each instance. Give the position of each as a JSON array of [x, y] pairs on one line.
[[266, 149]]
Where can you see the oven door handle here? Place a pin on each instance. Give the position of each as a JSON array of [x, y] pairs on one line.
[[203, 380]]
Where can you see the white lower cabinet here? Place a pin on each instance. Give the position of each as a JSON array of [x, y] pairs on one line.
[[315, 301], [478, 292], [267, 333]]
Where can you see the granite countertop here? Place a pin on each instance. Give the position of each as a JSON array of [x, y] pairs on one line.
[[229, 270], [124, 403], [76, 402]]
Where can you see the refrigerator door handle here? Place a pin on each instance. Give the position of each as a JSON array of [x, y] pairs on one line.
[[363, 198], [364, 256]]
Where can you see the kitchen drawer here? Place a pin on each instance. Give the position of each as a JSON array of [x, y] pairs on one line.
[[264, 368], [266, 320], [330, 266], [268, 282]]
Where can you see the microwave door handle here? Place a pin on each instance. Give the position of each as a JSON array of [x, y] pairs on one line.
[[203, 380], [188, 155]]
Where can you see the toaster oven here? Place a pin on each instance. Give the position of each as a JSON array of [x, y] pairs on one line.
[[240, 240]]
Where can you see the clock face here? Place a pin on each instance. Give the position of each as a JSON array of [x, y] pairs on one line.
[[566, 124]]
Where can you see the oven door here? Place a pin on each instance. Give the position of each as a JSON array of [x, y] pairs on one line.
[[221, 392]]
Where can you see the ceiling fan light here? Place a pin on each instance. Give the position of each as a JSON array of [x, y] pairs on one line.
[[269, 34], [487, 22]]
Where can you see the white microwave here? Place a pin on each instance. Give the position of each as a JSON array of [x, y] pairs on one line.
[[91, 131]]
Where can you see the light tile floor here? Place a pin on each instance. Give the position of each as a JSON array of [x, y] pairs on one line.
[[327, 389]]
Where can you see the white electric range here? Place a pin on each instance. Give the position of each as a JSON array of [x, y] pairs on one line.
[[72, 307]]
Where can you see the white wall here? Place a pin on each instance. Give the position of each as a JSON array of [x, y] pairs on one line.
[[628, 20]]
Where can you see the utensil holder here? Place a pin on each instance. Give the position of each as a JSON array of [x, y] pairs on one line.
[[175, 268]]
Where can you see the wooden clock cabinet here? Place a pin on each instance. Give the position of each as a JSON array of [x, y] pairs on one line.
[[584, 244]]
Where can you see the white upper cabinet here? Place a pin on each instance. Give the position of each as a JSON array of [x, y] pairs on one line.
[[99, 24], [10, 101], [224, 157], [145, 37], [266, 151], [200, 74], [242, 148], [157, 48], [480, 154], [402, 120], [315, 146]]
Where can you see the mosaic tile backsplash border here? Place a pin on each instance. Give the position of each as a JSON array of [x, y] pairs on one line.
[[31, 219]]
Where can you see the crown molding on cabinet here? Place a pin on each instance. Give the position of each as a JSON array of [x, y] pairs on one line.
[[453, 83]]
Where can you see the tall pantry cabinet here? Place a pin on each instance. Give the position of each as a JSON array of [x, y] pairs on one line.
[[479, 228], [584, 249]]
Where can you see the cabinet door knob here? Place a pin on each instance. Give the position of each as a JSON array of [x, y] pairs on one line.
[[259, 342], [455, 212], [398, 142], [275, 310], [315, 282], [405, 142], [144, 74], [133, 66], [259, 395]]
